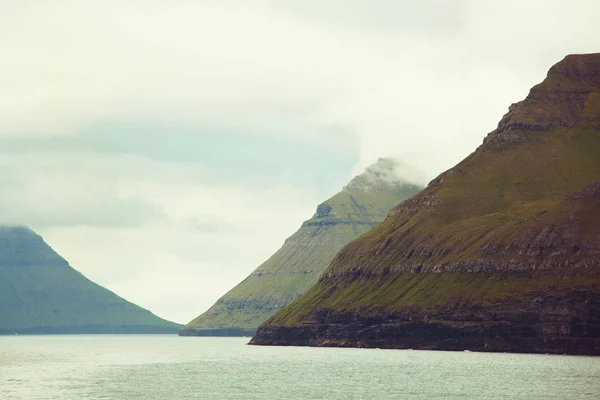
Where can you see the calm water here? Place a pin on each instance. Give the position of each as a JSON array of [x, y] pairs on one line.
[[169, 367]]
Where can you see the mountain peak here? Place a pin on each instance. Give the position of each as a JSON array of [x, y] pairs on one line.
[[20, 246], [578, 68], [568, 97], [41, 293], [386, 173]]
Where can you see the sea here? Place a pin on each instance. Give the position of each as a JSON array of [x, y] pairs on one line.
[[171, 367]]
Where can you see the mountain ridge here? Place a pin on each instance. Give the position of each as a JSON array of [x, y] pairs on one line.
[[40, 293], [296, 266]]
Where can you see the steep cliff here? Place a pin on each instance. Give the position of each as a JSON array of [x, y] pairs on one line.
[[40, 293], [500, 253], [297, 265]]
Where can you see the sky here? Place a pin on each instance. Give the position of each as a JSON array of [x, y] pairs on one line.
[[167, 148]]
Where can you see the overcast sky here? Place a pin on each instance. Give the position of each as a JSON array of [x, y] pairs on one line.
[[167, 148]]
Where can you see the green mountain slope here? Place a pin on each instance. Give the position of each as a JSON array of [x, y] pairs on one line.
[[500, 253], [296, 266], [41, 293]]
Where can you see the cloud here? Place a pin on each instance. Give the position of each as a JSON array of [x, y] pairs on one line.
[[387, 172], [66, 191], [386, 16], [192, 146], [323, 74]]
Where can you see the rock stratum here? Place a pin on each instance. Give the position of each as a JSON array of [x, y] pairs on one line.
[[499, 253], [297, 265], [41, 294]]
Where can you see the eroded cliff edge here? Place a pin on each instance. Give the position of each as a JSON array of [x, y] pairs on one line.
[[500, 253]]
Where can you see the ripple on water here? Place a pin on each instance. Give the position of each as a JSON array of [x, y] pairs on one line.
[[158, 367]]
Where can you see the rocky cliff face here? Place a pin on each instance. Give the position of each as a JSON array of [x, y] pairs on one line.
[[41, 293], [500, 253], [294, 268]]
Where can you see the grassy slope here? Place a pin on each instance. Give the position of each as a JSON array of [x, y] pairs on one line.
[[493, 233], [486, 191], [41, 293], [297, 265], [467, 295]]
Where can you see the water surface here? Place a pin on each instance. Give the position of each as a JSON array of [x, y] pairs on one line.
[[171, 367]]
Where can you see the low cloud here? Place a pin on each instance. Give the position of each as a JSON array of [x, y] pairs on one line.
[[385, 173]]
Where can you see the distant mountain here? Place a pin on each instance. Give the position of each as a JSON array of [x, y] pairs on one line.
[[40, 293], [499, 253], [297, 265]]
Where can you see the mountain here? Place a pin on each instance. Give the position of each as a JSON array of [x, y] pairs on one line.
[[40, 293], [499, 253], [296, 266]]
